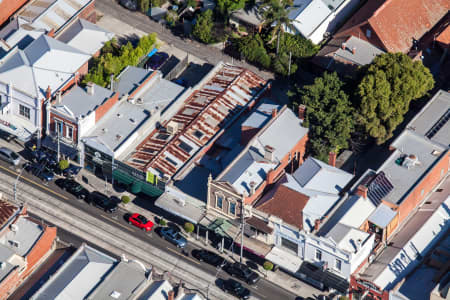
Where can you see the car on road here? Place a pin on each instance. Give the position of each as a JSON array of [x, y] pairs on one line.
[[139, 221], [156, 60], [129, 4], [38, 155], [72, 170], [42, 171], [235, 288], [209, 257], [242, 272], [102, 201], [73, 187], [9, 156], [172, 235]]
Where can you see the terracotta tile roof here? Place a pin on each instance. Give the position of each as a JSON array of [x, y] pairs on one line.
[[286, 204], [444, 37], [7, 210]]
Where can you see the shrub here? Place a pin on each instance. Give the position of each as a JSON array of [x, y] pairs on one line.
[[203, 27], [188, 227], [268, 266], [162, 222], [125, 199], [63, 164]]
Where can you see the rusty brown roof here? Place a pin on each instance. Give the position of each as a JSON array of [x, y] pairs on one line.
[[7, 210], [259, 224], [203, 115], [285, 203]]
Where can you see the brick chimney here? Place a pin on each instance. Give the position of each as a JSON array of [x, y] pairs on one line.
[[353, 50], [48, 93], [301, 111], [274, 113], [270, 178], [343, 46], [252, 188], [316, 225], [90, 88], [58, 97], [361, 190], [269, 153], [171, 295], [332, 159]]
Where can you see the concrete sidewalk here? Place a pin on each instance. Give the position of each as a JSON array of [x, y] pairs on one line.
[[279, 277]]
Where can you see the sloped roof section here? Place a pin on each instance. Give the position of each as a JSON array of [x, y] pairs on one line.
[[7, 210]]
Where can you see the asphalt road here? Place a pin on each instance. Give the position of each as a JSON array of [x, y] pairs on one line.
[[142, 22], [263, 290]]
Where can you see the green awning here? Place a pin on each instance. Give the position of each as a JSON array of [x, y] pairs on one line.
[[220, 227], [123, 177], [136, 187]]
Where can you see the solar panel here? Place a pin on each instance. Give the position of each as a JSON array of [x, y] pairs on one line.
[[439, 124], [379, 188]]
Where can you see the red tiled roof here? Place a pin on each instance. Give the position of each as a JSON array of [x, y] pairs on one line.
[[7, 210], [444, 37], [286, 204], [396, 22]]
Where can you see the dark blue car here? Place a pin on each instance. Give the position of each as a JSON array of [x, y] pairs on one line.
[[174, 236], [40, 170]]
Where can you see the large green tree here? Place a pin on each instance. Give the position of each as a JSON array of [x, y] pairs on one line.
[[388, 86], [252, 49], [328, 115], [144, 5], [203, 27], [275, 15], [225, 7]]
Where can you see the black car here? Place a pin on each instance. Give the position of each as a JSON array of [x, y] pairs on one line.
[[242, 272], [235, 288], [73, 187], [129, 4], [40, 170], [157, 60], [104, 202], [208, 257]]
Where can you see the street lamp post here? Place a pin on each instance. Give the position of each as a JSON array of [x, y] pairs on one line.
[[15, 184]]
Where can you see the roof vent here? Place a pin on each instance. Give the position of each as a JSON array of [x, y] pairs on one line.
[[410, 161], [133, 121], [172, 127], [115, 295], [139, 101], [105, 130], [14, 227], [119, 116], [118, 136], [436, 153], [13, 243], [2, 265], [132, 100]]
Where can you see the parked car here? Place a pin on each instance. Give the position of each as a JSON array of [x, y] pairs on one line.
[[40, 170], [139, 221], [235, 288], [242, 272], [9, 156], [72, 170], [129, 4], [173, 236], [157, 60], [209, 257], [38, 155], [73, 187], [102, 201]]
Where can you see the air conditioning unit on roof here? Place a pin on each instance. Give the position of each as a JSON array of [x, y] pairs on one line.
[[172, 127]]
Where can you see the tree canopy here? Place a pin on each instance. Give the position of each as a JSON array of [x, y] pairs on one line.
[[328, 115], [203, 27], [390, 83], [225, 7], [275, 14], [252, 49]]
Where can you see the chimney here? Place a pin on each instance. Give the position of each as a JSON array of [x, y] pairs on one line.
[[270, 178], [90, 88], [252, 188], [301, 111], [76, 78], [58, 97], [332, 159], [343, 46], [358, 245], [316, 225], [48, 93], [274, 113], [361, 190], [353, 50], [268, 153], [171, 295]]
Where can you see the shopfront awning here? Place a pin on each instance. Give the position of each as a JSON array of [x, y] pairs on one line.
[[18, 127], [325, 277], [259, 225], [284, 259], [220, 227], [64, 149], [181, 205]]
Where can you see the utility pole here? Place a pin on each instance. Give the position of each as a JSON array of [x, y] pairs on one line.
[[242, 229], [57, 137], [15, 184]]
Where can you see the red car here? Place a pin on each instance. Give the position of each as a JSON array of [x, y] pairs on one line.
[[139, 221]]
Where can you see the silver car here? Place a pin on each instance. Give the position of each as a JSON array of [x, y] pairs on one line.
[[9, 156]]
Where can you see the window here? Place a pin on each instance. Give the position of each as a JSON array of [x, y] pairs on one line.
[[219, 201], [338, 264], [289, 245], [185, 147], [24, 111], [70, 132], [171, 161], [368, 33], [318, 255], [233, 208], [59, 128], [198, 134]]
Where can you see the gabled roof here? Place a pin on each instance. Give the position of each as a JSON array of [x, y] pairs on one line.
[[7, 211], [85, 36], [27, 234], [159, 290], [347, 238], [45, 62]]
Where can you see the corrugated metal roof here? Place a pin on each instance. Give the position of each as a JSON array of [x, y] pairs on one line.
[[382, 216]]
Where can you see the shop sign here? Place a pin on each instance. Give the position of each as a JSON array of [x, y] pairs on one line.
[[8, 124]]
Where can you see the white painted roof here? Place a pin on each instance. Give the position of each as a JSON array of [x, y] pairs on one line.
[[382, 216], [27, 234], [284, 259], [159, 290], [347, 237], [358, 213], [306, 15]]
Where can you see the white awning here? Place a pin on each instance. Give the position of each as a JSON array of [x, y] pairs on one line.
[[284, 259], [16, 126]]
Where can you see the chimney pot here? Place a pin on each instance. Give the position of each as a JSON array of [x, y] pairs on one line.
[[252, 187], [274, 113], [301, 111], [316, 225], [332, 159], [353, 50], [171, 295], [343, 46], [268, 153], [48, 93], [58, 97], [90, 88], [362, 191]]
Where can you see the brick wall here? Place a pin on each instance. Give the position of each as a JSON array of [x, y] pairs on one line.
[[149, 77], [89, 13], [66, 124], [8, 8], [83, 70], [105, 107], [425, 186], [8, 284], [227, 196]]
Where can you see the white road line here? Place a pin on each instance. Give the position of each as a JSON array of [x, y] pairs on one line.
[[126, 227], [180, 254]]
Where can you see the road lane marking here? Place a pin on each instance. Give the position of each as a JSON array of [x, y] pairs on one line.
[[182, 255], [118, 223], [35, 183]]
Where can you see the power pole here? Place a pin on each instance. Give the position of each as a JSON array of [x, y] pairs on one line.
[[242, 229], [58, 154]]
